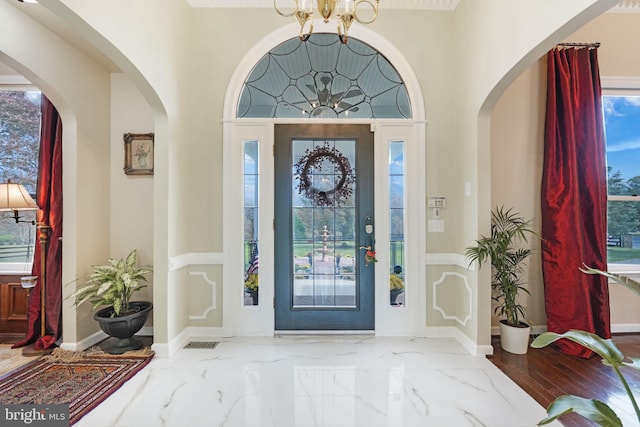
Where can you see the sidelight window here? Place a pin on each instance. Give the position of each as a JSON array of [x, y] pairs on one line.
[[396, 226]]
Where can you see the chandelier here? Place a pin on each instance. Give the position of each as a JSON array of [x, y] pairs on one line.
[[344, 11]]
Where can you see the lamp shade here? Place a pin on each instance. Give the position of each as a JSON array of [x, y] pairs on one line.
[[14, 197]]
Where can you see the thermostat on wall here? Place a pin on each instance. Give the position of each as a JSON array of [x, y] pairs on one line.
[[436, 202]]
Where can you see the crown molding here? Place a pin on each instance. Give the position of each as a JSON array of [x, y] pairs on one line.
[[627, 6], [384, 4], [14, 80]]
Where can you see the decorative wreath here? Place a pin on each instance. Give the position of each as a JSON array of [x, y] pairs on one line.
[[311, 162]]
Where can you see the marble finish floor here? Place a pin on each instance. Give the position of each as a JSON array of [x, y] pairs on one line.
[[337, 381], [11, 359]]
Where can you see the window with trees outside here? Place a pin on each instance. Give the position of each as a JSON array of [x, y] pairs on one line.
[[19, 146], [251, 215], [622, 129]]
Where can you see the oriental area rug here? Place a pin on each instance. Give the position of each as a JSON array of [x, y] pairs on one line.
[[80, 379]]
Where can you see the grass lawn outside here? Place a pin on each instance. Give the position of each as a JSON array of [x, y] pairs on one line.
[[623, 255]]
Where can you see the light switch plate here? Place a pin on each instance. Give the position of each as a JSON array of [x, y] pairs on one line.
[[435, 226]]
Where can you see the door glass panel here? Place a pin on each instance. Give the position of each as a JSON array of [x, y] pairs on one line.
[[251, 259], [324, 223], [396, 226], [323, 78]]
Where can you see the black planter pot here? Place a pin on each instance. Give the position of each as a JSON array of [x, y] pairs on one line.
[[394, 293], [122, 329], [254, 295]]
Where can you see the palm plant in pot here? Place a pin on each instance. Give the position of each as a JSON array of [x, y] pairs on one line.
[[508, 261], [109, 288]]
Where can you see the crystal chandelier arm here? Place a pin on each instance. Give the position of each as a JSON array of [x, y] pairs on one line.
[[327, 8], [286, 15], [345, 12], [344, 23], [374, 8], [304, 18]]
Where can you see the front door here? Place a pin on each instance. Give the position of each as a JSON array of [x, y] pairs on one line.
[[324, 227]]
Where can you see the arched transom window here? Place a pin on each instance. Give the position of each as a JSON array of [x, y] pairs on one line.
[[323, 78]]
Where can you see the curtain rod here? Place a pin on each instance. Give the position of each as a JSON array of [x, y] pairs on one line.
[[589, 45]]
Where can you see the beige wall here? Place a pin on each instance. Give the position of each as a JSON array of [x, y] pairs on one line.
[[517, 132], [495, 41], [177, 62], [131, 196], [517, 138], [80, 91]]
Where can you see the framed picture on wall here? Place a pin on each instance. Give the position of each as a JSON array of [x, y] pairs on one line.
[[138, 153]]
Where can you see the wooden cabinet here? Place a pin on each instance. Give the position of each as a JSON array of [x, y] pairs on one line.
[[14, 305]]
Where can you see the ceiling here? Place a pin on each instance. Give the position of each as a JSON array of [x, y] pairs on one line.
[[64, 31]]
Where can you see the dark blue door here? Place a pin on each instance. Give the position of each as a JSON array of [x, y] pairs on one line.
[[324, 227]]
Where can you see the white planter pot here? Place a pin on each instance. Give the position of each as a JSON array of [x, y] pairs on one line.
[[513, 339]]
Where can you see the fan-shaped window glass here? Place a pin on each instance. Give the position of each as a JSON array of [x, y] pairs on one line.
[[323, 78]]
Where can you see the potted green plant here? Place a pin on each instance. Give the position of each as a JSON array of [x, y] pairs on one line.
[[109, 288], [508, 230]]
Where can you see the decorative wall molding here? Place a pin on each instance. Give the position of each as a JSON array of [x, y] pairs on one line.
[[195, 258], [386, 4], [217, 258], [214, 289], [15, 80], [458, 260], [627, 6], [614, 83], [441, 310]]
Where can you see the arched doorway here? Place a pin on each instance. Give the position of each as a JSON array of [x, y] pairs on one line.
[[295, 83]]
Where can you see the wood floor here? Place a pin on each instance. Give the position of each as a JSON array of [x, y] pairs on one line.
[[546, 374], [10, 338]]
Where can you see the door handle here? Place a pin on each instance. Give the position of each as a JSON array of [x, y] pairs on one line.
[[370, 252]]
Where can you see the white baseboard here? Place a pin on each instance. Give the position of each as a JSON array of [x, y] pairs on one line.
[[96, 337], [618, 328], [211, 333], [467, 343], [535, 330], [471, 346], [85, 343], [330, 332], [160, 350], [187, 334], [625, 328]]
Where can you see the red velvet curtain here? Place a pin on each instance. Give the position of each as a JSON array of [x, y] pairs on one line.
[[574, 198], [49, 199]]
